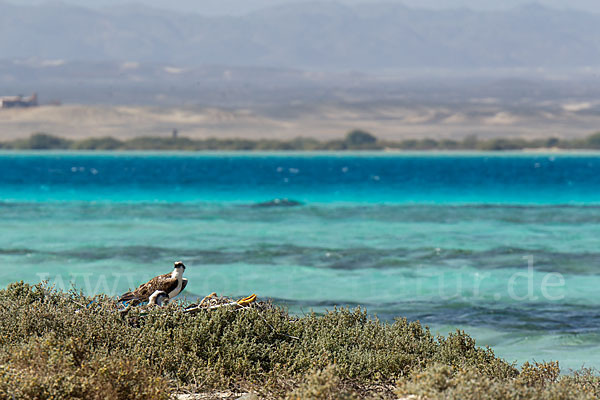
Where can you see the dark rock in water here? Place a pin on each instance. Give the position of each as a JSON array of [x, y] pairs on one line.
[[279, 203]]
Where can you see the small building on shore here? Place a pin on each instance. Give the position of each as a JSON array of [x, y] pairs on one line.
[[19, 101]]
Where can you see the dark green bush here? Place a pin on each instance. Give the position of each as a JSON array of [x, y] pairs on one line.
[[103, 143], [41, 141], [503, 144], [593, 141], [358, 139], [552, 142]]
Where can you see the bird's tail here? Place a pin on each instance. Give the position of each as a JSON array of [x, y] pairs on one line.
[[130, 299], [127, 297]]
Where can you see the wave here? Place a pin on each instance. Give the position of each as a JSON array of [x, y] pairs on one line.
[[277, 202], [439, 214], [561, 318], [341, 259]]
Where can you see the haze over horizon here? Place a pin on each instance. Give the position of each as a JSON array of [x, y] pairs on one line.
[[317, 35], [241, 7]]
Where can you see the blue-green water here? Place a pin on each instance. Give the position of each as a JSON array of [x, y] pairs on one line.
[[502, 246]]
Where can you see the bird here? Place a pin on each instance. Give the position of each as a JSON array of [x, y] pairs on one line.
[[171, 283], [158, 298]]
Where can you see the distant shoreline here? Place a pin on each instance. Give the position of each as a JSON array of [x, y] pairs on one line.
[[354, 141], [302, 153]]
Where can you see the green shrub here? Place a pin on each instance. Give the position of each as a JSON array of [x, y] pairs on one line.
[[42, 141], [354, 140], [48, 367], [593, 141], [448, 144], [552, 142], [539, 374], [103, 143], [502, 144], [409, 144], [335, 145], [63, 344], [360, 138], [301, 143], [541, 381], [322, 385], [470, 142]]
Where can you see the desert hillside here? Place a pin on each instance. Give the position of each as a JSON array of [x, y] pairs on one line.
[[322, 122]]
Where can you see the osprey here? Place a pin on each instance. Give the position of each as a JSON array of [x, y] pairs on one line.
[[172, 284]]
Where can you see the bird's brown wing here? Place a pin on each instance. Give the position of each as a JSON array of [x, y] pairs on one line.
[[144, 291], [167, 285], [183, 284]]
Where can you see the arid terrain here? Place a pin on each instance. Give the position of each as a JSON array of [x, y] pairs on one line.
[[325, 121]]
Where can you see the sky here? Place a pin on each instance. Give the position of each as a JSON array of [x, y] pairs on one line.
[[238, 7]]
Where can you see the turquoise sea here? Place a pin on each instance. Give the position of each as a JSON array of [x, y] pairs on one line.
[[504, 246]]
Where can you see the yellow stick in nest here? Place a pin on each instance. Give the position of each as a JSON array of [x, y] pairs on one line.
[[247, 300]]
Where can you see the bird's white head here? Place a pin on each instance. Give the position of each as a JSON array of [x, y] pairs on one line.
[[158, 298], [178, 269]]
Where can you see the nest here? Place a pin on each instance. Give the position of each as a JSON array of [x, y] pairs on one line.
[[213, 301]]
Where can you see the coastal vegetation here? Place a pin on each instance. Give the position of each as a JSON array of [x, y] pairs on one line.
[[354, 140], [67, 345]]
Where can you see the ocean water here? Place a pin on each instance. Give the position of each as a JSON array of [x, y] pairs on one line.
[[503, 246]]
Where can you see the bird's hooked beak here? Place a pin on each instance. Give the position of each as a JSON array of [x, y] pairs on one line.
[[179, 264]]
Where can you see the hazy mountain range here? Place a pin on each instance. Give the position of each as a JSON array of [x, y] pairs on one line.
[[310, 35], [241, 7]]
